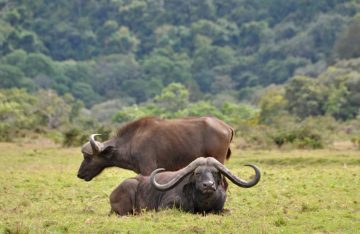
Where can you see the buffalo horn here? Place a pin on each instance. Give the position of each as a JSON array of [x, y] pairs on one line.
[[239, 182], [180, 175], [95, 145]]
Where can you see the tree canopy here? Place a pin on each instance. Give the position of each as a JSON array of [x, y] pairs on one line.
[[115, 60], [101, 50]]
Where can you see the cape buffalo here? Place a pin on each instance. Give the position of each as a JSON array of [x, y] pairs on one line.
[[149, 143], [197, 188]]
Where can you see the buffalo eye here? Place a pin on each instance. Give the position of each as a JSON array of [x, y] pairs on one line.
[[87, 157]]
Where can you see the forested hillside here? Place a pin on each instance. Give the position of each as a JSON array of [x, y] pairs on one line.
[[97, 61]]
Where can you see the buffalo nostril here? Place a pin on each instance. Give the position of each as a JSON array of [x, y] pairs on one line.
[[208, 184]]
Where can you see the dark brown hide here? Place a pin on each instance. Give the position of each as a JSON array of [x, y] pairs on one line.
[[150, 143]]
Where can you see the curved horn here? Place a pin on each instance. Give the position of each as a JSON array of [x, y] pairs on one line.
[[239, 182], [179, 176], [94, 144]]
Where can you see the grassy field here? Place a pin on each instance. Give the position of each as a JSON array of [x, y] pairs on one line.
[[300, 192]]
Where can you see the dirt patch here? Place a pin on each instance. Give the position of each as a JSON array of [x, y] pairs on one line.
[[343, 145]]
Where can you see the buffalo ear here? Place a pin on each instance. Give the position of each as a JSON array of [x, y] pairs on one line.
[[223, 183]]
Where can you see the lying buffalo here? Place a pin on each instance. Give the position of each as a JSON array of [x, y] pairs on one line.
[[150, 143], [197, 188]]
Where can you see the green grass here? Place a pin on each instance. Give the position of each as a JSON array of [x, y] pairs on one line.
[[300, 192]]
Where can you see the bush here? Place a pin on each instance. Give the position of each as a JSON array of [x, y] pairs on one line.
[[305, 134], [286, 131], [71, 137], [77, 137], [356, 141], [253, 136]]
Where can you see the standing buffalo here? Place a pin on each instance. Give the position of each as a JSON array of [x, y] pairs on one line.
[[149, 143], [196, 188]]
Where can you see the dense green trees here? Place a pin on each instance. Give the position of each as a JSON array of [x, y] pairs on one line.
[[136, 48], [16, 112], [22, 112], [306, 97], [173, 101], [334, 92], [347, 45], [115, 59]]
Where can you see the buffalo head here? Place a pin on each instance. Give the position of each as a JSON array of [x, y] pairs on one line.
[[97, 156], [206, 174]]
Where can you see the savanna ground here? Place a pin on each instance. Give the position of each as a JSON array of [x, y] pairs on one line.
[[300, 192]]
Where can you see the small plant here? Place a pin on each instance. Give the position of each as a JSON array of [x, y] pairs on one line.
[[280, 222], [356, 141]]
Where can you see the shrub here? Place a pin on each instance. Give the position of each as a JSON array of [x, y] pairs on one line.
[[253, 136], [77, 137], [356, 141], [301, 135], [71, 137]]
